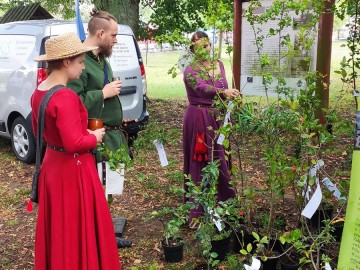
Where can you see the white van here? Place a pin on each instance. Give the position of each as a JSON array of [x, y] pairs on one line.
[[21, 42]]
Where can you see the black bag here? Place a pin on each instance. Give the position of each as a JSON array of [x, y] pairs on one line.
[[39, 141]]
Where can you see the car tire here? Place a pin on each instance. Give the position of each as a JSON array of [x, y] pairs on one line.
[[22, 141]]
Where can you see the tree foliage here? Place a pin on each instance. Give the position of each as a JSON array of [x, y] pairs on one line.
[[64, 7], [184, 16], [125, 11]]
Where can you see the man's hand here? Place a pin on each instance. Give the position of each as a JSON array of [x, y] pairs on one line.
[[112, 89]]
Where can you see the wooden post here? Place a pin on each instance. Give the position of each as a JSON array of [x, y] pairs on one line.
[[323, 59], [237, 43]]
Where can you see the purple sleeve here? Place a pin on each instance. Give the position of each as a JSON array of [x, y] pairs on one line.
[[203, 88]]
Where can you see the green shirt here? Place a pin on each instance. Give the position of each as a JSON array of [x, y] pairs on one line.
[[89, 88]]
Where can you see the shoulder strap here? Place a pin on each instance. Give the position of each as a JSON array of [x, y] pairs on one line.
[[40, 130], [106, 76]]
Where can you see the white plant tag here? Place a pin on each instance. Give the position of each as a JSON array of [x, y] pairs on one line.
[[327, 266], [161, 152], [334, 190], [216, 219], [306, 193], [114, 179], [316, 167], [226, 121], [313, 204], [255, 265], [221, 139]]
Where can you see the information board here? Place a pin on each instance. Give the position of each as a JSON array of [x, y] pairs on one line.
[[294, 68]]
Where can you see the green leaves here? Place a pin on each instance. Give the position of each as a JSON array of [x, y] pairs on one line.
[[115, 159]]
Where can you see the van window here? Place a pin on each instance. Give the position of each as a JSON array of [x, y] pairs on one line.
[[14, 50], [124, 56]]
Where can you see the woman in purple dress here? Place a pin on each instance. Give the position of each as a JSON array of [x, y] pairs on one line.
[[204, 80]]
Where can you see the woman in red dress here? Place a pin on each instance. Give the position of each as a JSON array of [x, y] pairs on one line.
[[74, 228]]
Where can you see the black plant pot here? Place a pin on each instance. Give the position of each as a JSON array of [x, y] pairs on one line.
[[338, 230], [287, 263], [239, 239], [221, 247], [270, 264], [174, 251], [290, 261], [289, 266], [204, 266], [319, 216], [275, 245]]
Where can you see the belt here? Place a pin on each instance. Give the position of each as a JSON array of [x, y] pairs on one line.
[[113, 128], [202, 105], [62, 149], [120, 128]]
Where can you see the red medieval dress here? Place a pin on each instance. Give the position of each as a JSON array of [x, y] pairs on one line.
[[74, 229]]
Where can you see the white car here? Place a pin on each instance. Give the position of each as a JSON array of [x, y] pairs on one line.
[[21, 42]]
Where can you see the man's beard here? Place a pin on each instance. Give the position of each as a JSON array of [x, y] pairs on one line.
[[106, 50]]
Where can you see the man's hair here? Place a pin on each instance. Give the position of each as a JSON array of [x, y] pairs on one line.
[[99, 20]]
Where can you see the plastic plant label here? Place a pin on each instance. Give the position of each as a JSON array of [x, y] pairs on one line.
[[114, 179], [216, 219], [313, 204], [255, 265], [306, 193], [316, 167], [221, 139], [226, 121], [327, 266], [161, 152], [334, 190]]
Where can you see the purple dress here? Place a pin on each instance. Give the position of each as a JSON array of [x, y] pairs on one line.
[[198, 116]]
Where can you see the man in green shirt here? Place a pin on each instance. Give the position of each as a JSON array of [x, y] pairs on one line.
[[96, 87]]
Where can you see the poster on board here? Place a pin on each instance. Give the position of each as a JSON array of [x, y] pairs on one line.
[[294, 68]]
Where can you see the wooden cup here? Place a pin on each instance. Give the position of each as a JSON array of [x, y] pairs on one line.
[[95, 123]]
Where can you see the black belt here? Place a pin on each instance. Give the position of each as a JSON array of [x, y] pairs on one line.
[[62, 149], [202, 105], [118, 128], [114, 128]]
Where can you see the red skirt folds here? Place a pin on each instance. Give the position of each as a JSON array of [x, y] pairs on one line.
[[74, 229]]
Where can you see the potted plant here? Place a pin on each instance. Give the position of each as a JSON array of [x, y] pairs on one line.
[[212, 232], [172, 219], [236, 214]]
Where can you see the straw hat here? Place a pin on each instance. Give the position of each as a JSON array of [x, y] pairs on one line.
[[63, 46]]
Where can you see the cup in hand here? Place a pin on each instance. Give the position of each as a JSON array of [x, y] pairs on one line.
[[95, 123]]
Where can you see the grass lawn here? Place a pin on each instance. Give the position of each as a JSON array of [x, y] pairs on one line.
[[161, 84]]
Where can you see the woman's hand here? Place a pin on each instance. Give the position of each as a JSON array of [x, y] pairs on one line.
[[230, 93], [99, 133]]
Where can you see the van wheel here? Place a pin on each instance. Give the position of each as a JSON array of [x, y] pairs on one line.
[[22, 141]]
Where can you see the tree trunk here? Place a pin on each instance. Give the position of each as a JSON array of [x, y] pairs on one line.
[[125, 11]]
